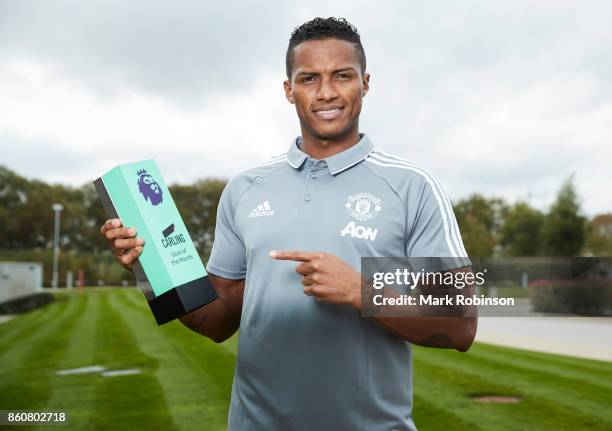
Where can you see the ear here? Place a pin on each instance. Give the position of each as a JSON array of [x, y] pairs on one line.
[[288, 92], [366, 84]]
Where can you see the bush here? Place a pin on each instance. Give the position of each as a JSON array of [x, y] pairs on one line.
[[26, 303], [583, 297]]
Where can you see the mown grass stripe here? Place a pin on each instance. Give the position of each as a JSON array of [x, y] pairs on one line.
[[573, 361], [478, 375], [231, 344], [430, 413], [28, 366], [186, 371], [443, 392], [138, 302], [76, 393], [217, 358], [134, 399], [22, 346], [24, 324], [579, 367], [195, 392], [443, 397], [563, 360], [572, 386], [587, 364]]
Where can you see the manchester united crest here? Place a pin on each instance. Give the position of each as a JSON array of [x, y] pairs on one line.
[[363, 206]]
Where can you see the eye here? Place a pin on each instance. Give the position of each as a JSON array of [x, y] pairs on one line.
[[344, 76], [308, 78]]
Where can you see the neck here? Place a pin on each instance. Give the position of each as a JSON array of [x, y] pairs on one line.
[[322, 148]]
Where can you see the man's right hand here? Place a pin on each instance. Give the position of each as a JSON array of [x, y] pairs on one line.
[[218, 320], [122, 241]]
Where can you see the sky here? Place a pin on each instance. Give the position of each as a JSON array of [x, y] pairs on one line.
[[505, 99]]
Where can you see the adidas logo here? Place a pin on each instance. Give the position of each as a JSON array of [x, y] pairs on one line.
[[262, 210]]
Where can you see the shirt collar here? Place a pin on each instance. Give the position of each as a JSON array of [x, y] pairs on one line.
[[336, 163]]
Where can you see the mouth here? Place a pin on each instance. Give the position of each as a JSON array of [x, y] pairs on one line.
[[329, 113]]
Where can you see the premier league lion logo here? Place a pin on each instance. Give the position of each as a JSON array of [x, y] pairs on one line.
[[150, 190]]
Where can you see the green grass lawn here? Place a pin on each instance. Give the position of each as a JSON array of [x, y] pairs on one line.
[[186, 378]]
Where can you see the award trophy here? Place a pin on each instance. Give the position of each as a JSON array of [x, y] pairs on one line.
[[169, 271]]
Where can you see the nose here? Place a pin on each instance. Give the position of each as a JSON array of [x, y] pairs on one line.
[[327, 90]]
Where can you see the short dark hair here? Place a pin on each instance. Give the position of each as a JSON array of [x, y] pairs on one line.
[[323, 28]]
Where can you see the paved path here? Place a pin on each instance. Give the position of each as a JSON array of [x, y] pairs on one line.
[[6, 317], [585, 337]]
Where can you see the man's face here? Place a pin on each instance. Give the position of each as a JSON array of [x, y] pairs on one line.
[[326, 87]]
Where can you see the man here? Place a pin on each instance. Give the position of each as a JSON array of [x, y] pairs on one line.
[[286, 256]]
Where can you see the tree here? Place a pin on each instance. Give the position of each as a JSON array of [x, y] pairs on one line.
[[564, 226], [478, 241], [599, 235], [13, 195], [479, 220], [27, 222], [521, 233], [197, 204]]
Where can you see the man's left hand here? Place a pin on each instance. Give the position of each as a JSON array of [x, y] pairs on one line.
[[326, 277]]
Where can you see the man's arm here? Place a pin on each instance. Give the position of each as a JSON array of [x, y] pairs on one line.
[[328, 278], [443, 326], [442, 332], [218, 320]]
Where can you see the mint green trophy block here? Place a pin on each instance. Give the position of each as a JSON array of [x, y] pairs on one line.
[[169, 271]]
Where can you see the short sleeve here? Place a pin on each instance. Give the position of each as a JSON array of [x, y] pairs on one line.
[[433, 232], [228, 255]]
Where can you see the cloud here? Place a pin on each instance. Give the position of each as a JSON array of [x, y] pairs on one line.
[[503, 99], [182, 51], [58, 119]]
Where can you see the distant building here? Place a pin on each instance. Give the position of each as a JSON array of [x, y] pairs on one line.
[[19, 279]]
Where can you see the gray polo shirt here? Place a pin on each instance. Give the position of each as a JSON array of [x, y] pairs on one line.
[[303, 364]]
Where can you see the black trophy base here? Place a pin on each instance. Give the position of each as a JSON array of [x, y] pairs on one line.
[[182, 299]]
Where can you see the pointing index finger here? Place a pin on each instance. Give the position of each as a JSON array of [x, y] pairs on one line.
[[299, 255]]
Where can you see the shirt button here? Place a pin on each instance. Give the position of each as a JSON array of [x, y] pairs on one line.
[[313, 176], [307, 198]]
